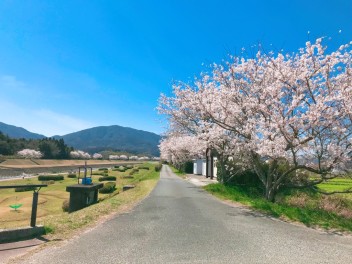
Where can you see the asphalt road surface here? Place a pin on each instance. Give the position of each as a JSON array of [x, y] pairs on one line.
[[180, 223]]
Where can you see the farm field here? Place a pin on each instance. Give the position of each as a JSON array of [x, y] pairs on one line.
[[337, 184], [51, 198]]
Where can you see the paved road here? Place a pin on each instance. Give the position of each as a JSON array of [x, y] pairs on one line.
[[180, 223]]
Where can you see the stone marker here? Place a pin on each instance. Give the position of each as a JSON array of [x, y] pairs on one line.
[[127, 187]]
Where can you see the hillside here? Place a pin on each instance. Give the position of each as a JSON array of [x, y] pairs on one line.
[[115, 138], [18, 132]]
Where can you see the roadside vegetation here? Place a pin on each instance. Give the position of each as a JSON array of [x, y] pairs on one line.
[[178, 172], [54, 198], [306, 206]]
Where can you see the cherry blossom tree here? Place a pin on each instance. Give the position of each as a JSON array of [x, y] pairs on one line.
[[178, 149], [97, 156], [278, 112], [114, 157], [79, 154], [123, 157], [30, 154]]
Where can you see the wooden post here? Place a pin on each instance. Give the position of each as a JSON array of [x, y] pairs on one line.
[[34, 209]]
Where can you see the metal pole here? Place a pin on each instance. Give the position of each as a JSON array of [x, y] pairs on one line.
[[34, 208]]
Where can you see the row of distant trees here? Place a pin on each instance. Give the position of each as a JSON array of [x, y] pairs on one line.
[[79, 154], [47, 148]]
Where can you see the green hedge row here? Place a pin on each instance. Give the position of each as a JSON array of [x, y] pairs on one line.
[[50, 177], [107, 178], [108, 187], [25, 189], [158, 167]]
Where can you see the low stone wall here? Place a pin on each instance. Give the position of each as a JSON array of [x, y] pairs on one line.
[[17, 234]]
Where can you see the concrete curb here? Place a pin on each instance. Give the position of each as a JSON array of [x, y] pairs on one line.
[[9, 235]]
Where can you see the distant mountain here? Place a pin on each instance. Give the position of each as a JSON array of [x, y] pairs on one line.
[[115, 138], [18, 132]]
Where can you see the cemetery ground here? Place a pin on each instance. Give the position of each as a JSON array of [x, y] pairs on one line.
[[60, 224]]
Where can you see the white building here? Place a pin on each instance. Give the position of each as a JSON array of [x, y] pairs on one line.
[[208, 166], [198, 166]]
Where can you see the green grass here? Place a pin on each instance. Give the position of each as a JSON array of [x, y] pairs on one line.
[[51, 198], [309, 214], [177, 172], [115, 202], [337, 184]]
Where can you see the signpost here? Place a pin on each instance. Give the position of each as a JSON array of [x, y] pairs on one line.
[[34, 201]]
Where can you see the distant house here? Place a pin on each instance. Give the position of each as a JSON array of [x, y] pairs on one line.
[[208, 166], [198, 166]]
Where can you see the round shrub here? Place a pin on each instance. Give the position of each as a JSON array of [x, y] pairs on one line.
[[129, 166], [107, 178], [50, 177], [66, 205], [71, 175], [108, 187], [143, 168]]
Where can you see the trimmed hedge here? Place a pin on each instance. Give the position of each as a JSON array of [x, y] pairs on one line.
[[143, 168], [158, 167], [50, 177], [120, 168], [108, 187], [103, 169], [71, 175], [133, 171], [25, 189], [98, 172], [107, 178]]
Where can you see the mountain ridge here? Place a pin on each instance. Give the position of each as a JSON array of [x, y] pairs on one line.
[[96, 139], [18, 132]]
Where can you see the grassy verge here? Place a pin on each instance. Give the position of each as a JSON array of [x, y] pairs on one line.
[[310, 209], [61, 224], [177, 172]]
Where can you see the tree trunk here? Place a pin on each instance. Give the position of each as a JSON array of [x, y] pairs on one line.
[[270, 194]]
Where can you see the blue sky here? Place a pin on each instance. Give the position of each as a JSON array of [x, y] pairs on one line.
[[70, 65]]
